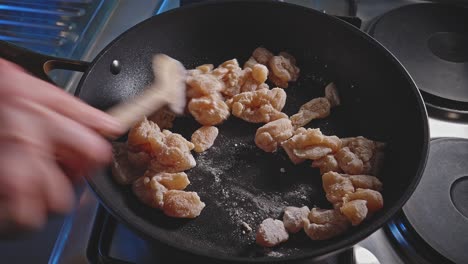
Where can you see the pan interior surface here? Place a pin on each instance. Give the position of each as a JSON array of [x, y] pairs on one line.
[[238, 181]]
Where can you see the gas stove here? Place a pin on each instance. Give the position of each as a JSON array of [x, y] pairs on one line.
[[433, 225]]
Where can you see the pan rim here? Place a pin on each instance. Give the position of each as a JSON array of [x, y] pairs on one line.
[[328, 250]]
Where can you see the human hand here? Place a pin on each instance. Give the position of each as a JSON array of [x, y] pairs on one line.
[[48, 140]]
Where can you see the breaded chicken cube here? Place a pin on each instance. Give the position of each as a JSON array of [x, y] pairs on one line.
[[356, 211], [325, 224], [204, 137], [123, 171], [260, 106], [172, 181], [293, 218], [149, 191], [182, 204], [269, 136], [271, 233], [336, 186]]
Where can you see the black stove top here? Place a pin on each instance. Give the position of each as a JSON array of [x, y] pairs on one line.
[[433, 227], [431, 41]]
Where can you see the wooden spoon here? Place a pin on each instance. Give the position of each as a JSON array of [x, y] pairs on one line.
[[168, 88]]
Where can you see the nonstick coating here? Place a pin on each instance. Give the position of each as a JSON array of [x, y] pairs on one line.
[[379, 101]]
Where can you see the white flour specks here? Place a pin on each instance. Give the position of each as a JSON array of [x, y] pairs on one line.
[[274, 254], [207, 164]]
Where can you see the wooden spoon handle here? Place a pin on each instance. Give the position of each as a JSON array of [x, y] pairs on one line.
[[130, 112], [168, 88]]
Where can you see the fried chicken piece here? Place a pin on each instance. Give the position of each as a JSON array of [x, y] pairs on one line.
[[204, 137], [233, 77], [172, 181], [254, 79], [203, 85], [123, 171], [283, 68], [304, 138], [209, 110], [173, 154], [312, 152], [293, 218], [249, 85], [362, 147], [355, 211], [325, 224], [170, 152], [205, 68], [344, 192], [326, 164], [182, 204], [143, 136], [323, 216], [149, 191], [349, 162], [370, 152], [261, 106], [374, 199], [271, 233], [331, 93], [270, 135], [277, 81], [251, 62], [314, 109], [288, 56], [289, 149], [139, 159], [262, 55], [259, 73], [365, 182], [164, 118], [310, 144], [336, 186]]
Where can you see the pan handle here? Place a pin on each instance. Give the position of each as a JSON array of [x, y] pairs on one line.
[[38, 64]]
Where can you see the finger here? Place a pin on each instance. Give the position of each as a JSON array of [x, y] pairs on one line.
[[21, 201], [22, 214], [72, 166], [56, 186], [67, 135], [75, 167], [21, 84], [10, 65], [78, 144]]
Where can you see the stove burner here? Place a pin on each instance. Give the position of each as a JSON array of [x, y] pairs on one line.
[[433, 227], [459, 195], [406, 241], [449, 46], [431, 41]]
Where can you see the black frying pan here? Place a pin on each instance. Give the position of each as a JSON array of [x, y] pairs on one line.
[[235, 178]]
